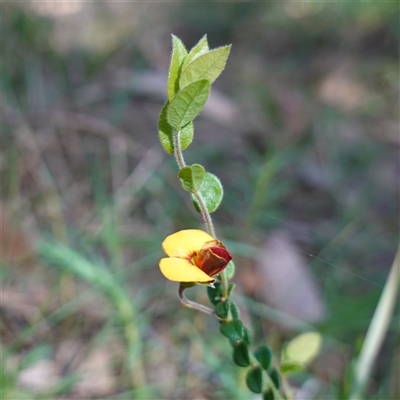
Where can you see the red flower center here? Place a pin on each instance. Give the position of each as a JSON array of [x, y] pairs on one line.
[[212, 258]]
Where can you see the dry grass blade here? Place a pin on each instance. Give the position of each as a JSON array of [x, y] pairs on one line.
[[377, 330], [101, 277]]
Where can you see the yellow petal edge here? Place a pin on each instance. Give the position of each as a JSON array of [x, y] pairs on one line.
[[184, 243], [180, 270]]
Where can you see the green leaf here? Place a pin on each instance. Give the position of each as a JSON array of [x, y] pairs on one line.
[[246, 335], [230, 288], [198, 174], [187, 103], [233, 329], [206, 66], [230, 270], [269, 395], [275, 377], [290, 367], [211, 192], [192, 177], [241, 354], [303, 348], [200, 48], [215, 293], [222, 309], [165, 132], [254, 379], [185, 176], [264, 356], [179, 54], [234, 310]]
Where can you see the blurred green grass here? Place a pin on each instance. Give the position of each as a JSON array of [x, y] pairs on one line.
[[311, 148]]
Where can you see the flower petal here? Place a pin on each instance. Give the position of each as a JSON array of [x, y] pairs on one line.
[[184, 244], [180, 270], [213, 257]]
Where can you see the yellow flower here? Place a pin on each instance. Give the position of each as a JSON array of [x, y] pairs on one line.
[[194, 256]]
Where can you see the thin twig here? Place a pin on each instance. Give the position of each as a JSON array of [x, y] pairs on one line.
[[203, 208]]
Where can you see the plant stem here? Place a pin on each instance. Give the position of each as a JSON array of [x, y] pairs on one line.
[[205, 214], [192, 304], [203, 208], [178, 151]]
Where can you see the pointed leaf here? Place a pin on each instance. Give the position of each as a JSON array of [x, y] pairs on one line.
[[187, 103], [165, 132], [233, 329], [241, 354], [208, 66], [211, 192], [179, 53], [264, 356], [200, 48], [222, 309], [254, 379], [303, 348]]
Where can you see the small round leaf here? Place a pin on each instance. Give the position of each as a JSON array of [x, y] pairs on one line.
[[303, 348], [254, 379], [192, 177], [185, 176], [211, 191], [233, 329], [264, 356], [241, 354], [198, 174], [222, 309]]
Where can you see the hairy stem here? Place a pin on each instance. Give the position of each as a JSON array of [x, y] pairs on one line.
[[204, 212], [178, 151]]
